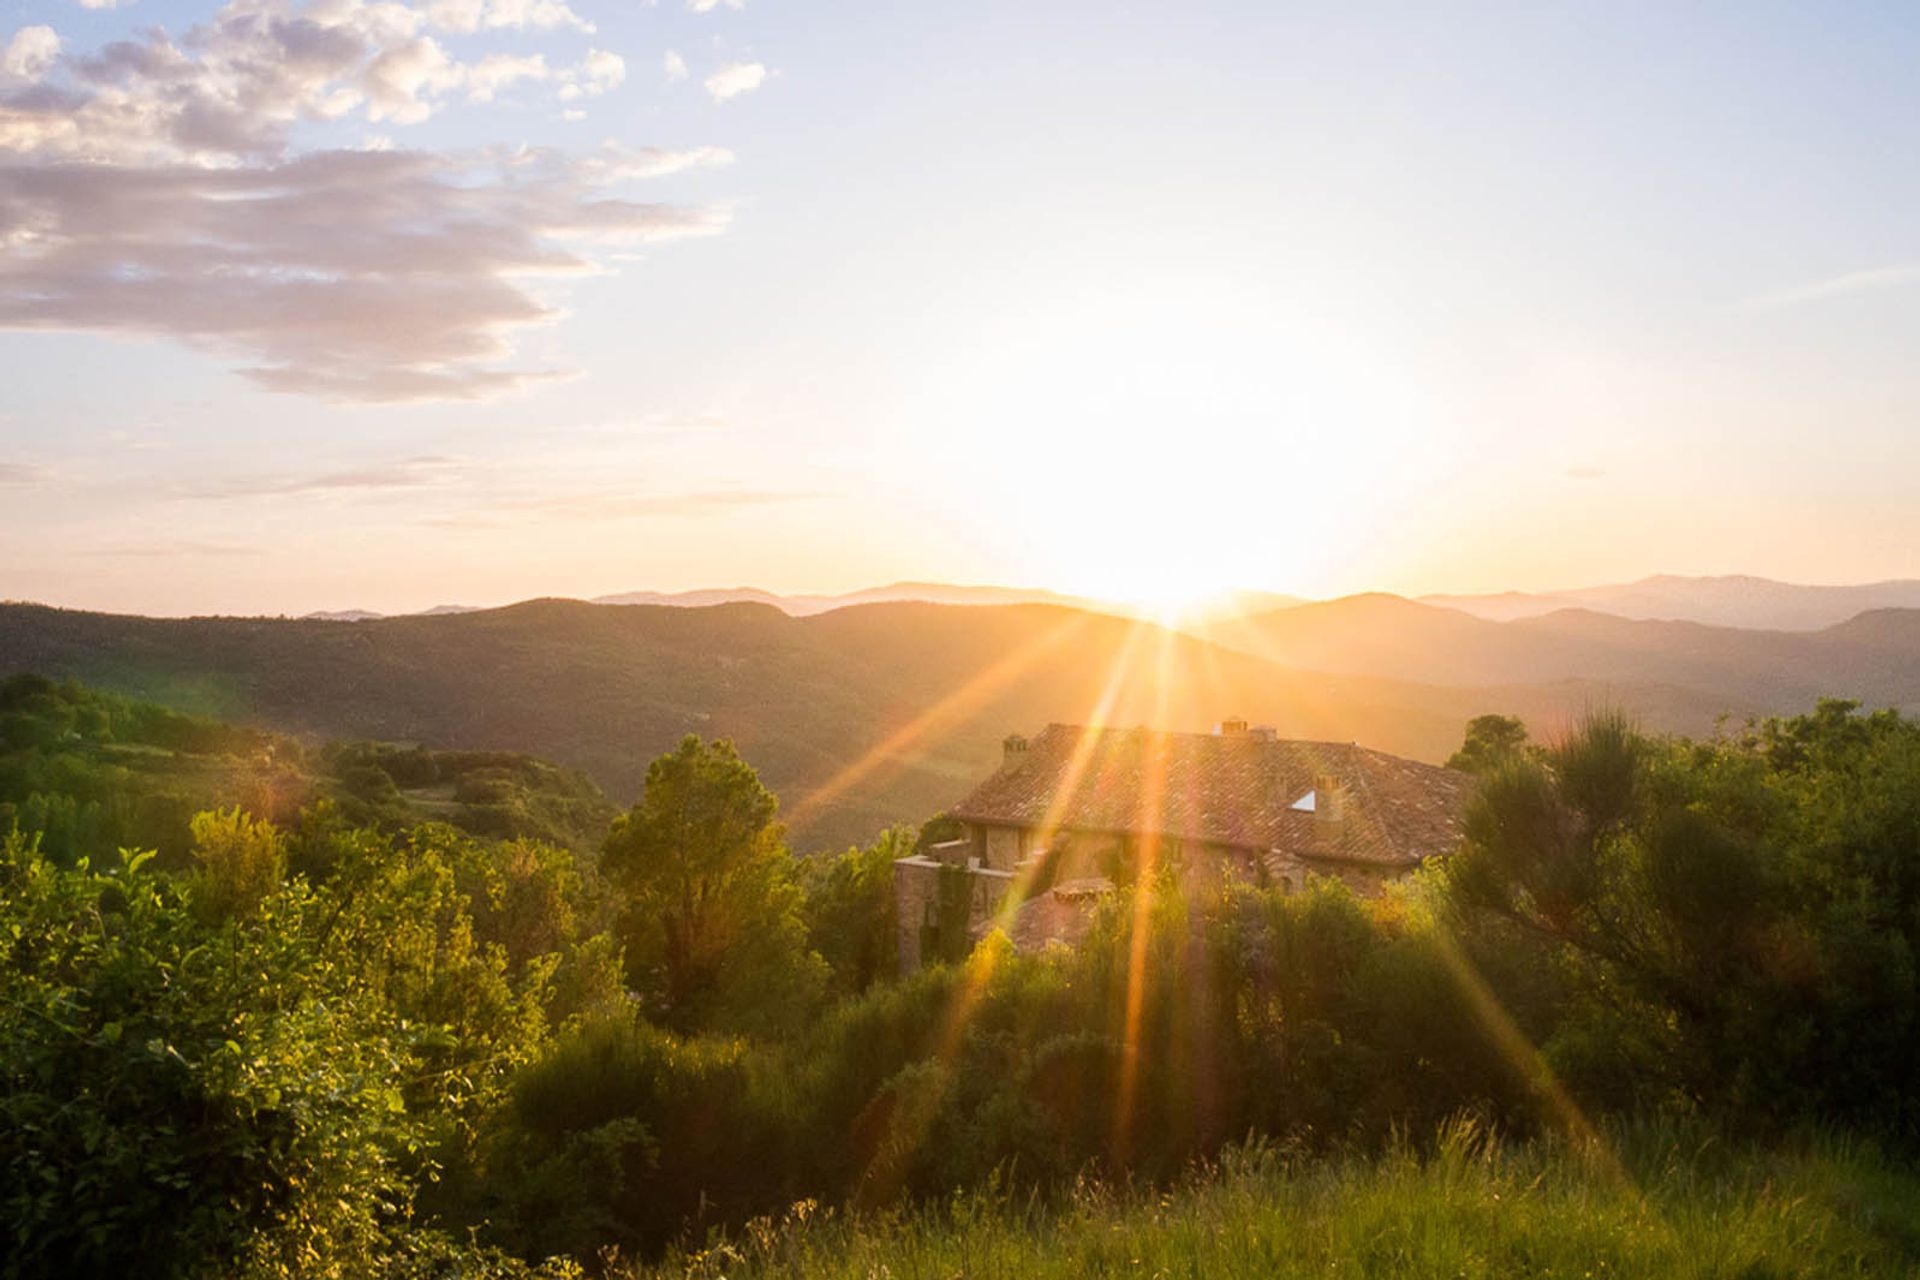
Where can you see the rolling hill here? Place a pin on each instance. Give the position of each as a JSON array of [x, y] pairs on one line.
[[858, 717]]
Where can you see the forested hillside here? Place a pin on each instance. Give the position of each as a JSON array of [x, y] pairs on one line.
[[858, 718], [82, 771]]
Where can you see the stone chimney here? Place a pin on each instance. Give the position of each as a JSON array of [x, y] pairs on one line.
[[1013, 750], [1329, 805], [1232, 729]]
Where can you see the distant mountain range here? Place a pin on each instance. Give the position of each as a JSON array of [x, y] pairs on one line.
[[805, 605], [1728, 601], [801, 606], [1734, 600]]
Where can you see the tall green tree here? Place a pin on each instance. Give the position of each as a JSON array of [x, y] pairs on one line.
[[711, 910]]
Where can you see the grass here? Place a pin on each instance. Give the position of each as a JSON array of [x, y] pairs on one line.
[[1658, 1203]]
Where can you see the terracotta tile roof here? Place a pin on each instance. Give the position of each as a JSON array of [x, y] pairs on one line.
[[1233, 789]]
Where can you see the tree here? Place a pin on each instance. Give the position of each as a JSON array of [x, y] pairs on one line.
[[1735, 922], [1490, 739], [710, 908], [850, 911]]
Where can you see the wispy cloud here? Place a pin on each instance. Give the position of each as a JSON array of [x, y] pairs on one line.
[[673, 67], [15, 474], [619, 504], [735, 79], [1585, 473], [1841, 286], [405, 473], [169, 548], [708, 6]]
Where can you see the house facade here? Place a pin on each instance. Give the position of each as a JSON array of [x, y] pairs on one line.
[[1076, 809]]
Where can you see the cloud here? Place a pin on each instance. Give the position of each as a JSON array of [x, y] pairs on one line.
[[29, 55], [503, 70], [171, 548], [673, 67], [468, 16], [419, 472], [708, 6], [1585, 473], [735, 79], [17, 474], [620, 504], [150, 189], [351, 275], [1840, 286], [598, 72], [101, 4], [235, 86]]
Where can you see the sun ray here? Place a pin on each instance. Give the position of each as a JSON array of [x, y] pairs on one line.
[[1526, 1059], [887, 1165], [1153, 776], [942, 714]]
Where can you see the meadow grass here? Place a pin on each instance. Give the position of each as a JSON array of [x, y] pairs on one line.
[[1646, 1202]]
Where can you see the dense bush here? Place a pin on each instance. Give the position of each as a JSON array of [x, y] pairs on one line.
[[179, 1096], [1733, 923]]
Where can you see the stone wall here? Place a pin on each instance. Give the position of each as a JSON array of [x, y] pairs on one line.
[[916, 896]]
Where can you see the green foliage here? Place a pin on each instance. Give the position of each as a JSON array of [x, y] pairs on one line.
[[231, 1072], [1733, 922], [1491, 740], [850, 912], [86, 771], [625, 1133], [238, 861], [489, 793], [710, 906], [179, 1097], [348, 1043], [89, 772]]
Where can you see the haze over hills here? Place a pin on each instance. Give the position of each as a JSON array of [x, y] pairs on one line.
[[1874, 657], [857, 717], [1733, 600], [804, 604]]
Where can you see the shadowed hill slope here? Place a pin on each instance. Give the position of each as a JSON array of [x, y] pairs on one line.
[[858, 717]]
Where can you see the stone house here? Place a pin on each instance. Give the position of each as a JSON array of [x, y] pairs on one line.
[[1075, 808]]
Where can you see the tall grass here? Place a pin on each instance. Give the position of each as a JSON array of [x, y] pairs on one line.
[[1652, 1201]]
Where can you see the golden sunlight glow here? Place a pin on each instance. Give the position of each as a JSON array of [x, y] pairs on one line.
[[1171, 434], [895, 749]]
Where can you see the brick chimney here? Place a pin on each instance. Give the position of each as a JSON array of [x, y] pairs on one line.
[[1013, 749], [1232, 729]]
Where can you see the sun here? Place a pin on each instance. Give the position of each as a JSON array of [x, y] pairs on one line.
[[1175, 602]]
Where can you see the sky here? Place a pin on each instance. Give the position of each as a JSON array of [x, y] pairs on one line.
[[383, 305]]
